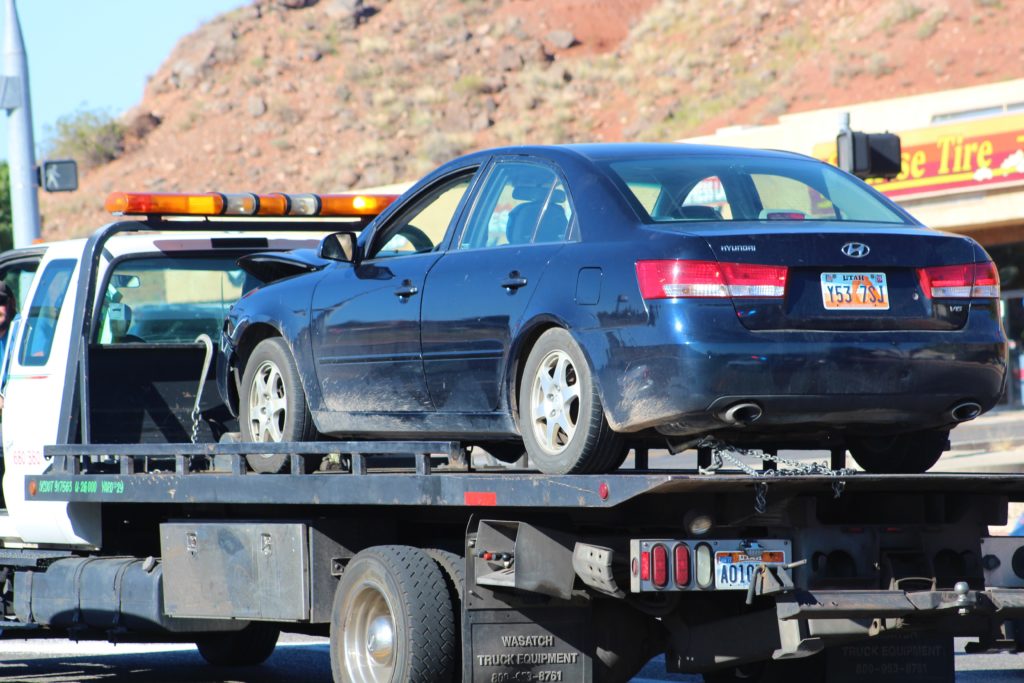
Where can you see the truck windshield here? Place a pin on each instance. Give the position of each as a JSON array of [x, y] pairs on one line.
[[738, 188], [170, 299]]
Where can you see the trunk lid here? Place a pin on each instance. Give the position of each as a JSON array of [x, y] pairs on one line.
[[844, 277]]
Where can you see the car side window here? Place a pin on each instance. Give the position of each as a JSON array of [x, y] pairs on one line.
[[421, 227], [520, 203], [41, 322]]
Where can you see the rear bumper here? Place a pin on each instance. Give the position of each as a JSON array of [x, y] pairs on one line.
[[694, 360]]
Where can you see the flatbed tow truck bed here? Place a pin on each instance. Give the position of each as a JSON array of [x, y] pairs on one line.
[[438, 476]]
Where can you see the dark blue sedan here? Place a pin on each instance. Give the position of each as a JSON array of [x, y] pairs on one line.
[[576, 301]]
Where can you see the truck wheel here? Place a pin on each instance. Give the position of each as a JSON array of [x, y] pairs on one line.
[[560, 413], [392, 619], [273, 405], [251, 646], [901, 454]]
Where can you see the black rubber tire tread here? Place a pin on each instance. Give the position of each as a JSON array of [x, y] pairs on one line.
[[911, 453], [251, 646], [454, 568], [424, 621], [298, 423], [594, 447]]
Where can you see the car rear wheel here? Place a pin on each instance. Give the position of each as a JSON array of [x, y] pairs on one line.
[[560, 413], [273, 405], [901, 454]]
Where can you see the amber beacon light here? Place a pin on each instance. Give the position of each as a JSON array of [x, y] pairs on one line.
[[246, 204]]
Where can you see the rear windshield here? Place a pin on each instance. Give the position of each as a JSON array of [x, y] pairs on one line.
[[170, 299], [704, 188]]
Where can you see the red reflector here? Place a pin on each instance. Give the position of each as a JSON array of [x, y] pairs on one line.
[[659, 565], [963, 281], [33, 488], [682, 567], [602, 490], [709, 279], [480, 498], [645, 566]]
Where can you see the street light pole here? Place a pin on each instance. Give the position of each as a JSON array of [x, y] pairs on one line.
[[14, 97]]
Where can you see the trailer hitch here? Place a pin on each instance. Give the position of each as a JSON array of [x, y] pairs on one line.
[[772, 577]]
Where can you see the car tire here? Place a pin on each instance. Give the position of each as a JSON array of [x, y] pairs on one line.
[[454, 568], [911, 453], [251, 646], [561, 417], [272, 405], [393, 619]]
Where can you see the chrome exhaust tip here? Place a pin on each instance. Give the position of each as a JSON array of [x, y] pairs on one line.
[[968, 410], [741, 413]]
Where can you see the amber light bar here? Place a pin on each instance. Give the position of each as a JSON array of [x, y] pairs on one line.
[[246, 204]]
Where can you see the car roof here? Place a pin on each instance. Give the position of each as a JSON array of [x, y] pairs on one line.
[[602, 151]]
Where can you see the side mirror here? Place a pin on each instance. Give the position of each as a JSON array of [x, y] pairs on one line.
[[340, 246]]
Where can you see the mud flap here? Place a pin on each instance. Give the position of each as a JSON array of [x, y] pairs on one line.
[[515, 635], [894, 658]]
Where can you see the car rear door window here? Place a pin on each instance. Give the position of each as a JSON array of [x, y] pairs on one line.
[[520, 203], [41, 322]]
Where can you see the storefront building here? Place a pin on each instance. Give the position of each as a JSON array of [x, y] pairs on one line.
[[963, 171]]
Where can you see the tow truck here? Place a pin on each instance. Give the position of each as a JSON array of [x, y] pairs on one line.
[[131, 514]]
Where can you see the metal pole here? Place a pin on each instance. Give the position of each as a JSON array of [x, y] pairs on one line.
[[844, 143], [21, 144]]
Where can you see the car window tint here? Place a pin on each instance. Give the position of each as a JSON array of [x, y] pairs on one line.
[[787, 196], [520, 202], [170, 300], [704, 187], [422, 227], [41, 322]]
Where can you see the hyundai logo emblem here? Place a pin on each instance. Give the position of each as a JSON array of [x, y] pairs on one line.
[[856, 249]]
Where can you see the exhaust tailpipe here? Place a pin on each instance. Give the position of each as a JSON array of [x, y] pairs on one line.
[[741, 413], [968, 410]]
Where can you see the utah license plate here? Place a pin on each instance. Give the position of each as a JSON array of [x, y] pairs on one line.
[[735, 568], [854, 291]]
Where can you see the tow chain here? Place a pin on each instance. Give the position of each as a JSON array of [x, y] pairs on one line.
[[205, 340], [721, 453]]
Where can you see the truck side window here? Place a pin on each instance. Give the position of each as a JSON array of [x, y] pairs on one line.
[[44, 311]]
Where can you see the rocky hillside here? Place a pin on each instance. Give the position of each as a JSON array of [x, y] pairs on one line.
[[329, 95]]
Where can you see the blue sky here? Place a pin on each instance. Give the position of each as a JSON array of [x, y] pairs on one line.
[[96, 54]]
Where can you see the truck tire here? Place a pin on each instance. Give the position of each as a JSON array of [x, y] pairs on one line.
[[272, 405], [251, 646], [392, 619], [454, 568], [560, 413], [901, 454]]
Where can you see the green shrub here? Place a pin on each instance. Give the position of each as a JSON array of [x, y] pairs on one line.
[[92, 138]]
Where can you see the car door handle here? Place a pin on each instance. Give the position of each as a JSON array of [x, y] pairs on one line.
[[513, 281], [406, 290]]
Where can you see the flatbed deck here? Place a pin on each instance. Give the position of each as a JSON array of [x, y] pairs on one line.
[[452, 483]]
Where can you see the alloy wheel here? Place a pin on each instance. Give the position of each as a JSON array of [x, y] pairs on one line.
[[555, 401], [268, 403]]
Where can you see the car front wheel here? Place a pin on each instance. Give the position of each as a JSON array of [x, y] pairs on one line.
[[560, 413], [911, 453], [273, 404]]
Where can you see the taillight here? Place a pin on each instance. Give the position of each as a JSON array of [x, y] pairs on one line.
[[659, 566], [645, 566], [709, 279], [682, 565], [963, 281]]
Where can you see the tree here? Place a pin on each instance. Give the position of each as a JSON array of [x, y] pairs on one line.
[[6, 229]]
